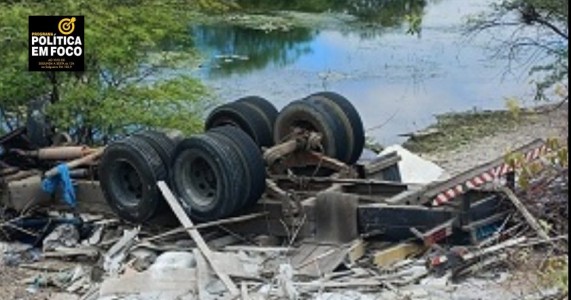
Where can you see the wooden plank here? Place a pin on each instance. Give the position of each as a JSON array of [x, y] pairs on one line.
[[396, 253], [356, 251], [195, 235]]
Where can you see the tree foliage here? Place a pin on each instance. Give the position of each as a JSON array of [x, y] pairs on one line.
[[127, 46], [539, 38]]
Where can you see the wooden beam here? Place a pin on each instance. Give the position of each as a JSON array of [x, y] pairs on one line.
[[396, 253], [195, 235]]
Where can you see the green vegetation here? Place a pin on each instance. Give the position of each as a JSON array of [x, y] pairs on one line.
[[129, 43], [455, 129], [387, 13], [369, 16], [126, 44]]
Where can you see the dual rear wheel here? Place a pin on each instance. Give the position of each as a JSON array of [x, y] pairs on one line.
[[221, 172]]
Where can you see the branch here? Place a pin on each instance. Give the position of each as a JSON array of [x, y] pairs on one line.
[[552, 27]]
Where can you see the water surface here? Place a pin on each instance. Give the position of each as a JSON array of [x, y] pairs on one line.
[[398, 81]]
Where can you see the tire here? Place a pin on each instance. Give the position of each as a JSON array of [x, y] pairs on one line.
[[252, 161], [240, 114], [354, 118], [207, 175], [343, 121], [267, 108], [314, 116], [129, 171], [161, 143]]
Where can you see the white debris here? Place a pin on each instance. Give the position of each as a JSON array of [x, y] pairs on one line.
[[64, 235], [346, 295], [174, 260], [415, 169], [285, 282], [114, 258]]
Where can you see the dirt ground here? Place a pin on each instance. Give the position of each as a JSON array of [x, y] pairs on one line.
[[11, 287], [550, 123]]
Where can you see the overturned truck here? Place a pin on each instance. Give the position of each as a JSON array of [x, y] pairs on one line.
[[299, 169]]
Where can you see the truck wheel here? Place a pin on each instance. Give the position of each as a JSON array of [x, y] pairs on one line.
[[163, 145], [129, 170], [242, 115], [343, 121], [267, 108], [208, 177], [252, 160], [312, 116], [353, 117]]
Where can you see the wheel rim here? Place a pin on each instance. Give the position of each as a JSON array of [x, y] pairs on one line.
[[127, 183], [198, 180]]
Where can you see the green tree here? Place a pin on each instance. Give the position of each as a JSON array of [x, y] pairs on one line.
[[539, 39], [127, 45]]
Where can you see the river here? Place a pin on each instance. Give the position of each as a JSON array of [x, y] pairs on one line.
[[397, 80]]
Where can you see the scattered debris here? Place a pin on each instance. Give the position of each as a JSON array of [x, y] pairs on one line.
[[64, 235], [311, 220]]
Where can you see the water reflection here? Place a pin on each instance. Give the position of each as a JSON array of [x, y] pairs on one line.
[[236, 50], [396, 81]]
